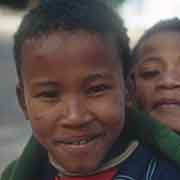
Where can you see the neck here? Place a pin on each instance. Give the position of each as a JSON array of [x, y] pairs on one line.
[[108, 163]]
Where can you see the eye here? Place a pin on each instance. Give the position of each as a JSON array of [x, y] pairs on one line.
[[98, 89], [149, 74], [48, 95]]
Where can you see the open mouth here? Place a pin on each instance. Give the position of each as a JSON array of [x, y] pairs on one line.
[[79, 141]]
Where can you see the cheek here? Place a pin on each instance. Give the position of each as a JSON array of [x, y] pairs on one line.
[[144, 91], [111, 110], [41, 119], [41, 126]]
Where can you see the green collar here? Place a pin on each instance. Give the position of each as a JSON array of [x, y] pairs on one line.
[[27, 166]]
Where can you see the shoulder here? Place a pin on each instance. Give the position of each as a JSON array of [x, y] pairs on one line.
[[165, 168], [150, 131], [8, 171], [147, 164], [30, 163]]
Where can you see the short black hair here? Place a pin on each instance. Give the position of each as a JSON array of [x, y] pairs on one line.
[[72, 15], [172, 24]]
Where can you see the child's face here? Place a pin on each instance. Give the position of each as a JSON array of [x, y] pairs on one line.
[[74, 97], [157, 77]]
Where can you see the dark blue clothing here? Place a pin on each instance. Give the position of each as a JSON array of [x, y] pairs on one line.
[[143, 164]]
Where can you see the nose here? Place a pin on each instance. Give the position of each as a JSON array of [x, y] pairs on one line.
[[169, 80], [76, 114]]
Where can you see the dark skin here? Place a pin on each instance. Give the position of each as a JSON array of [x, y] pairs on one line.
[[74, 95], [156, 79]]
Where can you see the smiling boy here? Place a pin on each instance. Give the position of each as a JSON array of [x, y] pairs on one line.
[[71, 59]]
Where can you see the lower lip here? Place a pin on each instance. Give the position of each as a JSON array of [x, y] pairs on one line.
[[168, 106]]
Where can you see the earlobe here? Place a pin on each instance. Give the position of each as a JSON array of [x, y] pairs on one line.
[[21, 99]]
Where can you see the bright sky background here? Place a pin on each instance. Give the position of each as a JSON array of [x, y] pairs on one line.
[[138, 15], [141, 14], [9, 21]]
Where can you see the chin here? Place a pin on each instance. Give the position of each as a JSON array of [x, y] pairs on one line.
[[79, 170], [173, 124]]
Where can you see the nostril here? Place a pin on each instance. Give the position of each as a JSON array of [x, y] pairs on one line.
[[74, 112], [77, 117]]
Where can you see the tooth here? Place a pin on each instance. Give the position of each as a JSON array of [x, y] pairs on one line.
[[75, 143], [83, 142]]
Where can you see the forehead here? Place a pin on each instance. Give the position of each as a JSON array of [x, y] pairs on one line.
[[69, 41], [62, 51], [160, 41]]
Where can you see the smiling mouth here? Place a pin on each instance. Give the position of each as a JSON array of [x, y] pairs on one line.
[[166, 103], [78, 142]]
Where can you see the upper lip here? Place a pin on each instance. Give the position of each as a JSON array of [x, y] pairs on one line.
[[166, 101]]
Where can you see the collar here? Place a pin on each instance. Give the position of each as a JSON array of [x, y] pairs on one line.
[[105, 175], [113, 162]]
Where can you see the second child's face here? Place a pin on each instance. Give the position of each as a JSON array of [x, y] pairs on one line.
[[74, 97], [157, 78]]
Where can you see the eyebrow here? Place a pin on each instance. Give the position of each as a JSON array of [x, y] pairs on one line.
[[96, 76], [147, 50], [151, 59], [90, 78], [44, 83]]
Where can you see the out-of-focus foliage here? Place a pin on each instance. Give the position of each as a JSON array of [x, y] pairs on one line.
[[21, 4]]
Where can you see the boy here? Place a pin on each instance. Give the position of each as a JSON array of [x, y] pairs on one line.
[[156, 79], [71, 58], [155, 84]]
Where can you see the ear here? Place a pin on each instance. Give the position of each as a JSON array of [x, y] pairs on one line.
[[21, 99], [130, 90]]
